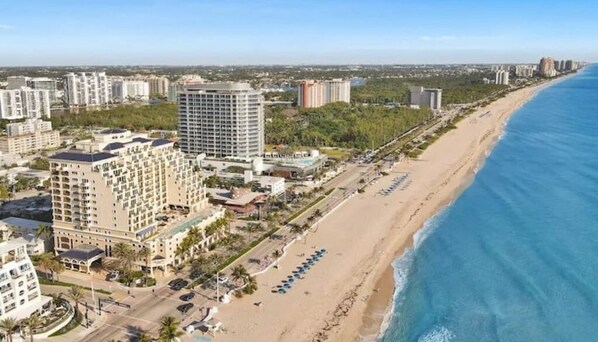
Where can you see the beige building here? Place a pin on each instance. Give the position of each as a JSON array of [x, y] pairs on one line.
[[124, 187], [314, 94], [158, 85], [29, 136]]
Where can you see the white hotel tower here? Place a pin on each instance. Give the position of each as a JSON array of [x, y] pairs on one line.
[[20, 295], [221, 120]]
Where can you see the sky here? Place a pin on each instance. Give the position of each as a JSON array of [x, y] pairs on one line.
[[218, 32]]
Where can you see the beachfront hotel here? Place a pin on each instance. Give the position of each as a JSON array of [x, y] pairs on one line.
[[20, 294], [124, 187], [221, 120], [314, 94]]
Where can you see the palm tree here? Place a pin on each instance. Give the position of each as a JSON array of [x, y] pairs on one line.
[[126, 255], [56, 267], [239, 273], [142, 337], [8, 326], [230, 216], [45, 261], [43, 231], [169, 329], [297, 229], [146, 253], [276, 254], [32, 322], [250, 285], [76, 294]]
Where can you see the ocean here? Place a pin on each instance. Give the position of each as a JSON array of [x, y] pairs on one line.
[[515, 256]]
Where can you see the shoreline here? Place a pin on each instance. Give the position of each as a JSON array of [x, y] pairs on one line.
[[374, 325], [347, 294]]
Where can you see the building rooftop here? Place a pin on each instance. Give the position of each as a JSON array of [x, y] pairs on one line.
[[82, 252], [113, 131], [25, 223], [11, 245], [82, 156]]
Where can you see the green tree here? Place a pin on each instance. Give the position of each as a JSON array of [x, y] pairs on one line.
[[75, 293], [43, 231], [8, 326], [125, 254], [169, 329], [32, 323], [250, 285], [239, 273]]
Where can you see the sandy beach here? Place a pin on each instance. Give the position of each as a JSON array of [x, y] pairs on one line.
[[346, 294]]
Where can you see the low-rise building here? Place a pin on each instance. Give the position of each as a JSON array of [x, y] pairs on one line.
[[240, 200], [16, 227], [29, 136], [20, 294]]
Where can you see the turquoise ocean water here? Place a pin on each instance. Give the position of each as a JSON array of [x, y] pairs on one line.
[[515, 257]]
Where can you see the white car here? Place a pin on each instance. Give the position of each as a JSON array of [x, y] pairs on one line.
[[113, 275], [222, 279]]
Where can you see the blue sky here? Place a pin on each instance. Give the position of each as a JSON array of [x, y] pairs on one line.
[[92, 32]]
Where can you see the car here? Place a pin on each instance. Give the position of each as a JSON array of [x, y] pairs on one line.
[[174, 281], [187, 297], [179, 285], [184, 308], [113, 276], [222, 279]]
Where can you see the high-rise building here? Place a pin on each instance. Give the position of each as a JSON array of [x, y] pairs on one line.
[[546, 67], [130, 91], [313, 94], [158, 85], [175, 87], [87, 89], [21, 295], [16, 82], [41, 83], [29, 136], [124, 187], [221, 120], [524, 70], [24, 103], [502, 77], [423, 97]]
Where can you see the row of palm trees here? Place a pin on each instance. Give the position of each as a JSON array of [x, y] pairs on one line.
[[191, 243], [9, 326], [51, 265], [127, 255], [249, 283]]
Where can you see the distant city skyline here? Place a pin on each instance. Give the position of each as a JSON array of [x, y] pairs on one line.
[[158, 32]]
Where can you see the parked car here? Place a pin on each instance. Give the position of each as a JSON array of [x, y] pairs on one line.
[[222, 279], [113, 276], [184, 308], [179, 285], [187, 297], [174, 281]]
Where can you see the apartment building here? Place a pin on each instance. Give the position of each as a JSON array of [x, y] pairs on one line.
[[158, 85], [16, 82], [313, 94], [20, 294], [24, 103], [221, 120], [525, 70], [502, 77], [44, 83], [29, 136], [124, 187], [423, 97], [123, 91], [87, 89]]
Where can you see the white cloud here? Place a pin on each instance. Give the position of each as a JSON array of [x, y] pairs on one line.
[[4, 27]]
